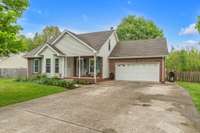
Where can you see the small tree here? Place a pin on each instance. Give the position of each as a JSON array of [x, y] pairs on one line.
[[47, 33], [10, 11], [198, 24], [136, 28]]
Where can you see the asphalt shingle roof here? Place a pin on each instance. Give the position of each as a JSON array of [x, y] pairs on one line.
[[138, 48], [141, 48], [95, 39], [33, 52]]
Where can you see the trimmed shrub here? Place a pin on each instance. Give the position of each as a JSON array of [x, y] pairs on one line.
[[82, 82], [43, 79]]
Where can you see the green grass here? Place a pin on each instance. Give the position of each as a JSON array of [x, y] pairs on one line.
[[12, 91], [194, 90]]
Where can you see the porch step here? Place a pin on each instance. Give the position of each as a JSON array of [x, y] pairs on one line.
[[90, 80]]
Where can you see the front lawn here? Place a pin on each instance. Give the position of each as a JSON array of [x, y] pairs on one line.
[[194, 90], [12, 91]]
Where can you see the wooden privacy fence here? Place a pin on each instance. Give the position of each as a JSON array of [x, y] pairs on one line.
[[187, 76], [12, 72]]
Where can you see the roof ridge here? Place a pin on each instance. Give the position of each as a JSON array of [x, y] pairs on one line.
[[163, 38], [96, 32]]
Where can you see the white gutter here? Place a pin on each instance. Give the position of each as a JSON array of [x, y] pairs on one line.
[[129, 57]]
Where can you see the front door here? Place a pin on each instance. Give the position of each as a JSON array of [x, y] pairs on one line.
[[81, 67]]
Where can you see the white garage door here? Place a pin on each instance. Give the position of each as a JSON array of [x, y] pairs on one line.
[[137, 71]]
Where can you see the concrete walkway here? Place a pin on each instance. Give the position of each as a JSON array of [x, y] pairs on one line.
[[108, 107]]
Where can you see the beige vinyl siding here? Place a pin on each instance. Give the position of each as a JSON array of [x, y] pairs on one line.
[[105, 53], [72, 47], [47, 53]]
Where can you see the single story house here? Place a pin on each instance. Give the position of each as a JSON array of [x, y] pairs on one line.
[[99, 55]]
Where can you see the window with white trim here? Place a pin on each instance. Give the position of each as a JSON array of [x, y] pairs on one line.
[[109, 45], [56, 65], [48, 65], [91, 65], [36, 66]]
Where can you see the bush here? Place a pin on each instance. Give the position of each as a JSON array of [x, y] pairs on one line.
[[57, 82], [82, 82], [43, 79], [21, 79]]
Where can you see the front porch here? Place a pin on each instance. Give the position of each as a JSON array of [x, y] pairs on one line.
[[87, 68]]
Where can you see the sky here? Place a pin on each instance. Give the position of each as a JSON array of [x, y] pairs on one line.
[[175, 17]]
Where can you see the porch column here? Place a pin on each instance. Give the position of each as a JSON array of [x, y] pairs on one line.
[[63, 68], [79, 67], [95, 70]]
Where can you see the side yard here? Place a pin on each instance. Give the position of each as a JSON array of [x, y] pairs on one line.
[[12, 91], [194, 90]]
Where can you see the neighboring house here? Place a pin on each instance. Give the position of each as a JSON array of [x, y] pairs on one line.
[[13, 66], [96, 55]]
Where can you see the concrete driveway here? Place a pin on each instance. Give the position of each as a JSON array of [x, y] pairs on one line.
[[108, 107]]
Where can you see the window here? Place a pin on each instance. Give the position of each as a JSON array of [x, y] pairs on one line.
[[36, 66], [91, 65], [48, 65], [109, 45], [57, 65]]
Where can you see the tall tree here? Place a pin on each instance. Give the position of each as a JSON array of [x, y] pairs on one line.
[[26, 43], [198, 24], [10, 11], [48, 33], [135, 28]]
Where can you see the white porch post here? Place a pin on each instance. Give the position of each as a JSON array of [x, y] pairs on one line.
[[63, 62], [95, 72], [79, 67]]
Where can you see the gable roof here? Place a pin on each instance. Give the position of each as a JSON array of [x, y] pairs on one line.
[[35, 51], [93, 40], [140, 48], [56, 50]]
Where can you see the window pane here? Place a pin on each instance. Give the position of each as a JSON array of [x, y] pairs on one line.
[[48, 65], [36, 66], [109, 45], [56, 65], [91, 65]]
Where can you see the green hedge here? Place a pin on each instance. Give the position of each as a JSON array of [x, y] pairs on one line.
[[43, 79]]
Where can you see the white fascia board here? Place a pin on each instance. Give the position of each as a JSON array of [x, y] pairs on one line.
[[116, 36], [129, 57], [46, 45]]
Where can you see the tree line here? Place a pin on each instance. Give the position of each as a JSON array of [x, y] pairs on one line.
[[11, 41], [48, 33], [183, 60], [131, 28]]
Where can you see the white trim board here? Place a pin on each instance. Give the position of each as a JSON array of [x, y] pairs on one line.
[[74, 37], [44, 46], [129, 57]]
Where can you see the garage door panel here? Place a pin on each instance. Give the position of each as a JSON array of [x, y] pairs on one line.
[[137, 71]]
